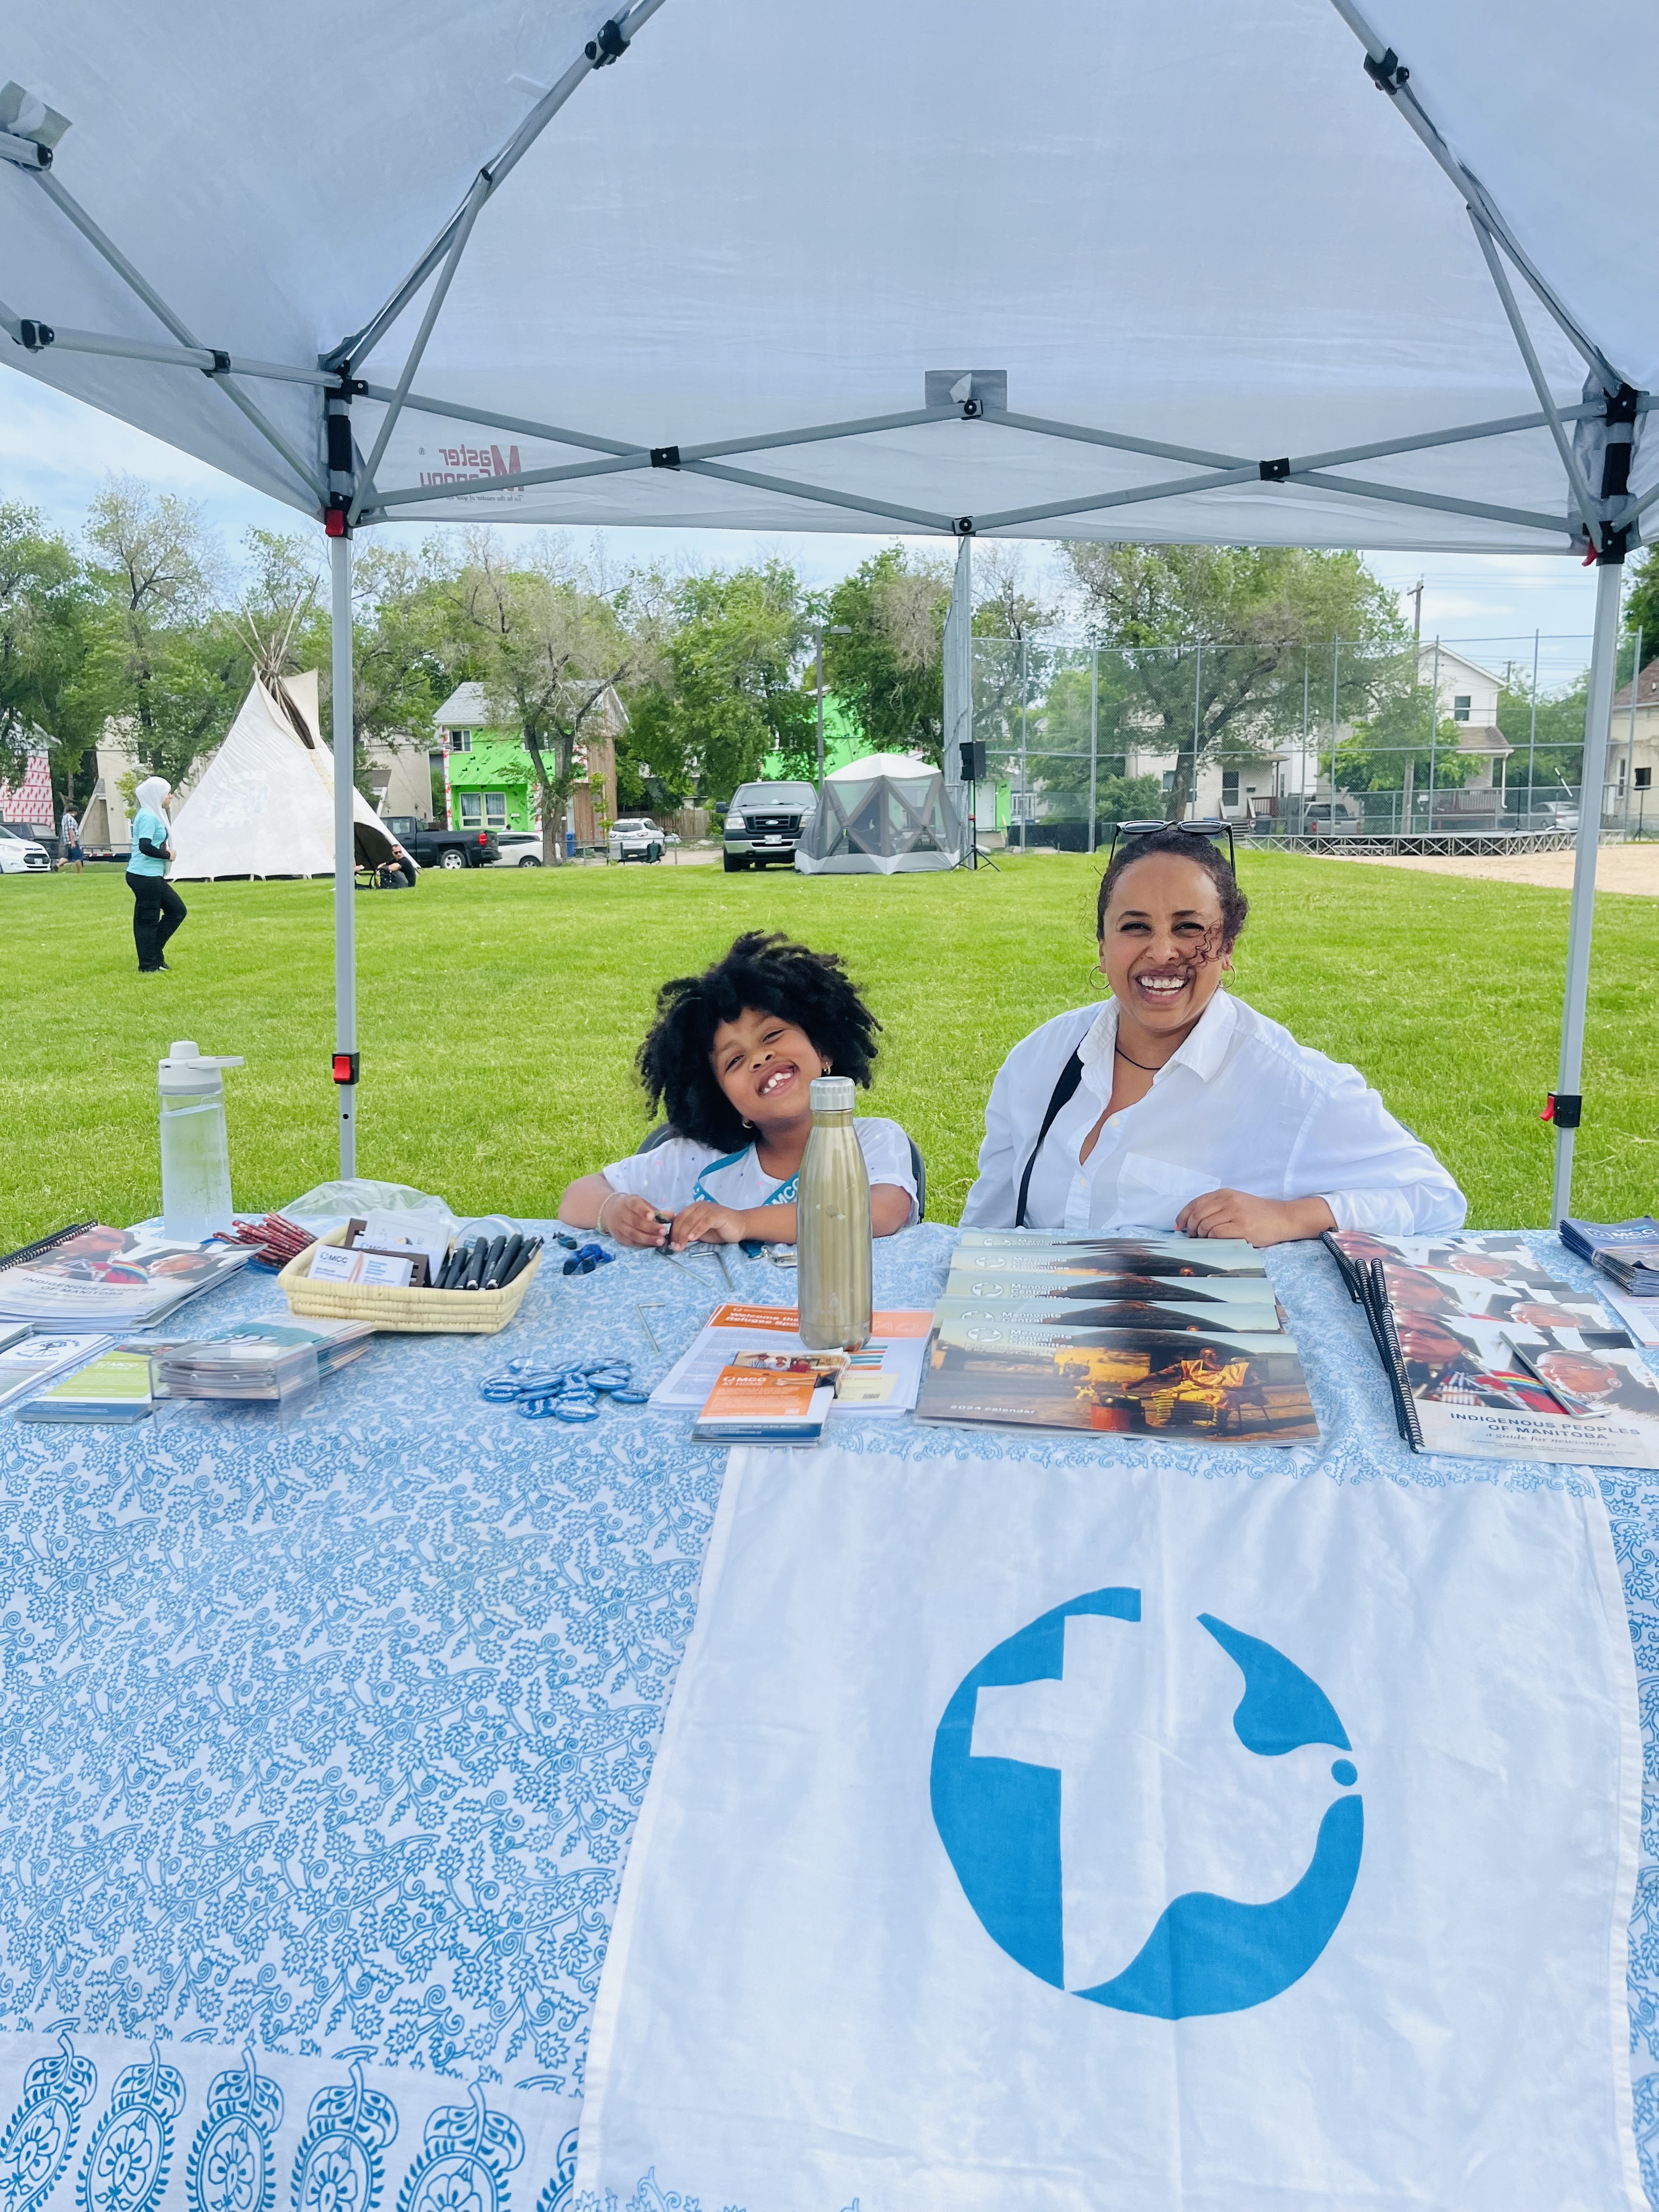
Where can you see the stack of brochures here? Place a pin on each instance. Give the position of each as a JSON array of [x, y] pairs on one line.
[[881, 1377], [112, 1278], [1626, 1252], [1133, 1335], [261, 1361], [1488, 1356]]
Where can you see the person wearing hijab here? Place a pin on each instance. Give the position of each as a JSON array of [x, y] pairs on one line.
[[157, 909]]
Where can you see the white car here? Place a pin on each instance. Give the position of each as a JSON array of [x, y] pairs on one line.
[[20, 855], [519, 848], [636, 839]]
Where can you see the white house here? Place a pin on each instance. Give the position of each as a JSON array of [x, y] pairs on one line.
[[1468, 693]]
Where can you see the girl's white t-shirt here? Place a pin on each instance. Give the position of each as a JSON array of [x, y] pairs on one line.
[[668, 1175]]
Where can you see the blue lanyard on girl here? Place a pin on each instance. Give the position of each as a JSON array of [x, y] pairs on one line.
[[785, 1194]]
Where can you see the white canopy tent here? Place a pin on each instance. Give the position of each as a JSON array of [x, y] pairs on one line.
[[1272, 273], [885, 814]]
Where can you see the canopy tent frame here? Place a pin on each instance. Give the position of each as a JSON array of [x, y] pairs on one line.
[[1607, 526]]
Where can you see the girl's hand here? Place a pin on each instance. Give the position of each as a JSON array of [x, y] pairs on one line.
[[630, 1220], [705, 1223]]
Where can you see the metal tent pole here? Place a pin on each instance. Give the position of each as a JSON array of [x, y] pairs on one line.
[[1094, 738], [1630, 741], [1434, 731], [1531, 729], [345, 915], [1565, 1101], [957, 675]]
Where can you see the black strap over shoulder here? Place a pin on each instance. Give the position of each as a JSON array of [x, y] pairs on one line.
[[1069, 1076]]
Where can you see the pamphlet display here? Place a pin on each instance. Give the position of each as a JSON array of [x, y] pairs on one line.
[[262, 1361], [1131, 1336], [1489, 1355], [774, 1405]]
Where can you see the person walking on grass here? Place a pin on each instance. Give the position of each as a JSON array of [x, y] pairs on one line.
[[68, 832], [157, 909]]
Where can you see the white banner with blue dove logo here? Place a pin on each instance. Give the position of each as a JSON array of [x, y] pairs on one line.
[[1051, 1838]]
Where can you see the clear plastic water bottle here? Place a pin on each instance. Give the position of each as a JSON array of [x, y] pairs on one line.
[[832, 1224], [195, 1150]]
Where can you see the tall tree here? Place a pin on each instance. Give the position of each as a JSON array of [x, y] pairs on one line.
[[889, 671], [725, 698], [1641, 611], [167, 661], [1226, 647], [42, 622], [549, 646]]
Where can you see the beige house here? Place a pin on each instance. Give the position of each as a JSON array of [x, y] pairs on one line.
[[1634, 745]]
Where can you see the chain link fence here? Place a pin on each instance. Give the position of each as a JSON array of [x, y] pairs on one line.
[[1445, 740]]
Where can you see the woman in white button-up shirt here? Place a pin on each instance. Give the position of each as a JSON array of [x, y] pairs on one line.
[[1176, 1106]]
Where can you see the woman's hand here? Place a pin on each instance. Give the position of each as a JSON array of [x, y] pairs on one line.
[[705, 1223], [1256, 1220]]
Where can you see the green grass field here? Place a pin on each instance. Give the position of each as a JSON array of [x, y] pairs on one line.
[[500, 1012]]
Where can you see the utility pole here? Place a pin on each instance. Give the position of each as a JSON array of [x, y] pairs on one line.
[[1415, 595]]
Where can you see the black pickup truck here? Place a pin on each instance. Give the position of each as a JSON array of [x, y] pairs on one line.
[[442, 849]]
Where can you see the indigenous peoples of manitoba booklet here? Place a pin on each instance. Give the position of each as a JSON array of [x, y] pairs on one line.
[[1490, 1357], [104, 1277], [1145, 1335]]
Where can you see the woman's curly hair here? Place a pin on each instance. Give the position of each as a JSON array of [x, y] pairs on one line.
[[775, 976]]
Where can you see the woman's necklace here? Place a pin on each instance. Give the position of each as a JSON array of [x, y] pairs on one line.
[[1140, 1064]]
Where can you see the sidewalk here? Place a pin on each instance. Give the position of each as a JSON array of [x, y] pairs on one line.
[[1630, 868]]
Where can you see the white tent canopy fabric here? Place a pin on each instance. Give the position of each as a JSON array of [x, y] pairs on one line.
[[1201, 229], [1367, 273], [265, 806]]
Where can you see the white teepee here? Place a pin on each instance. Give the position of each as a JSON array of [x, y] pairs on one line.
[[265, 804]]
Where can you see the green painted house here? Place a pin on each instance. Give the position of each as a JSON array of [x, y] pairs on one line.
[[490, 784], [843, 740]]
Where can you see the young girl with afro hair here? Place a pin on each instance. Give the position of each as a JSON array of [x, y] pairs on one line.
[[730, 1059]]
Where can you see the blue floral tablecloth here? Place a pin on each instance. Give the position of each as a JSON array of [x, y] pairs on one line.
[[323, 1743]]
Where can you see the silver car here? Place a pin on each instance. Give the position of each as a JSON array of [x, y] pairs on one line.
[[635, 838]]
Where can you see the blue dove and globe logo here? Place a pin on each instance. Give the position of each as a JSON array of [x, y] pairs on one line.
[[1127, 1804]]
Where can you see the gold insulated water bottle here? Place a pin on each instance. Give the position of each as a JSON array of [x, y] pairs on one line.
[[832, 1217]]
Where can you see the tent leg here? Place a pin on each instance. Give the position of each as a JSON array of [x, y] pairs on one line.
[[1598, 713], [959, 692], [345, 912]]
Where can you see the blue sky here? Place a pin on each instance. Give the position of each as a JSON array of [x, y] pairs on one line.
[[57, 454]]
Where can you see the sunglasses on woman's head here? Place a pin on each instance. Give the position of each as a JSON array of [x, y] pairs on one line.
[[1213, 830]]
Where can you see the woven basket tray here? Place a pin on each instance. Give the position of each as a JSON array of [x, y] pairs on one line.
[[462, 1313]]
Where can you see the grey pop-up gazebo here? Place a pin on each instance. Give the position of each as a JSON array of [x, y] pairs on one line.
[[1276, 273]]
